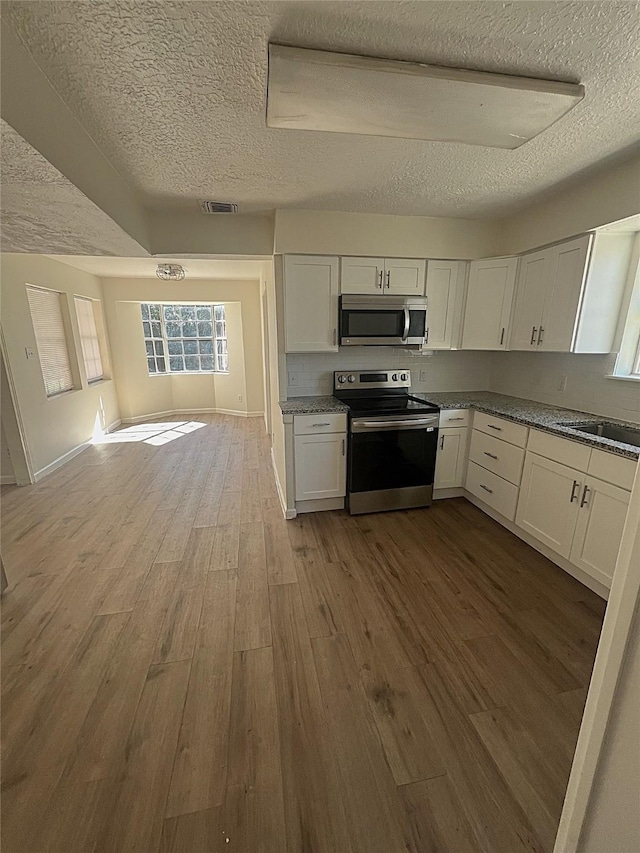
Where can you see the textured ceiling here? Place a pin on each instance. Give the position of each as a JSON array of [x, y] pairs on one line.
[[174, 95], [42, 211]]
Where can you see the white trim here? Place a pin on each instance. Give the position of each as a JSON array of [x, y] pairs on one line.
[[579, 574], [319, 505], [234, 412], [625, 594], [7, 479], [60, 461], [288, 513], [452, 492], [114, 425]]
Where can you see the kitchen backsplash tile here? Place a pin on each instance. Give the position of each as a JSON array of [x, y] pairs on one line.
[[442, 371]]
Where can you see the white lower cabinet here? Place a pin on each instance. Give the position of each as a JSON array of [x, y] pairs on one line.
[[451, 458], [601, 518], [320, 466], [549, 502]]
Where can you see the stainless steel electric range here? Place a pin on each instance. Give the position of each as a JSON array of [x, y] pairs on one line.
[[393, 439]]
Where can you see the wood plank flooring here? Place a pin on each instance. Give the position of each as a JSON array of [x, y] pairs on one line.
[[185, 672]]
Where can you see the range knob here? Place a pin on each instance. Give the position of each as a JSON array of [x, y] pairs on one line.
[[342, 378], [395, 377], [403, 377], [352, 378]]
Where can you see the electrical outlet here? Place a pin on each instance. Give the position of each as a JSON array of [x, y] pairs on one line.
[[562, 383], [239, 398], [424, 375], [292, 378], [30, 352]]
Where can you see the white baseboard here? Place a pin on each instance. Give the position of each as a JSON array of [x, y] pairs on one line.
[[60, 461], [453, 492], [236, 413], [580, 575], [288, 513], [7, 479], [114, 425]]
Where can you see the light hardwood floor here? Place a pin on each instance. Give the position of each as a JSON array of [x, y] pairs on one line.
[[184, 672]]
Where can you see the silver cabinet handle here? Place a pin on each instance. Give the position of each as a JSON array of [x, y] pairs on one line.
[[502, 336], [426, 336], [442, 442], [379, 284], [407, 323], [490, 455], [454, 419], [323, 424], [585, 492], [574, 491], [491, 426], [388, 279], [335, 337], [486, 488], [540, 334], [533, 335], [343, 446]]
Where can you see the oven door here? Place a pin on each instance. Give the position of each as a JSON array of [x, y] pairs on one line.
[[380, 323], [391, 462]]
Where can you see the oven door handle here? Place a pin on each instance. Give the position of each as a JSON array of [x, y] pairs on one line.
[[407, 322], [395, 424]]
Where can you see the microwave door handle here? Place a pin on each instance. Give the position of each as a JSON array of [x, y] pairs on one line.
[[407, 319]]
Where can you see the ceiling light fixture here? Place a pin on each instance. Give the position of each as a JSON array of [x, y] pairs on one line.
[[343, 93], [170, 272]]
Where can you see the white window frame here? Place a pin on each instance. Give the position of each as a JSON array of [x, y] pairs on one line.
[[90, 341], [162, 356], [628, 360], [58, 378]]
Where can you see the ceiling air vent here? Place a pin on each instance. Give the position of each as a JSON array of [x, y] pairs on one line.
[[218, 207]]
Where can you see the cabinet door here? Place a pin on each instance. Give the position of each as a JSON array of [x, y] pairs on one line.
[[489, 300], [451, 458], [404, 277], [443, 303], [567, 266], [533, 279], [603, 510], [548, 506], [320, 466], [362, 275], [311, 303]]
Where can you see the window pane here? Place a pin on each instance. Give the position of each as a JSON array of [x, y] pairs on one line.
[[221, 347], [156, 329], [154, 312], [151, 364], [146, 327], [205, 330], [159, 345], [219, 312], [189, 329], [206, 362], [175, 347], [145, 311], [190, 347], [173, 329], [206, 347], [176, 363], [192, 362], [220, 331], [203, 312], [188, 312], [48, 326], [161, 365], [149, 347], [171, 312]]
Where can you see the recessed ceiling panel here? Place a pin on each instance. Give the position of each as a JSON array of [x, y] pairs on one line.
[[342, 93]]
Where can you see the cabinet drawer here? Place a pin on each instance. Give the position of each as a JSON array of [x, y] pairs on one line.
[[317, 424], [498, 456], [499, 428], [561, 450], [612, 469], [493, 490], [454, 417]]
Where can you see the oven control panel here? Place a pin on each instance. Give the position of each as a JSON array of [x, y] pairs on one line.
[[372, 379]]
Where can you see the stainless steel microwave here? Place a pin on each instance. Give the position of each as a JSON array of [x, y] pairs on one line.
[[383, 321]]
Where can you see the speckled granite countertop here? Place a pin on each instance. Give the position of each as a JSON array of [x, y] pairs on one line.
[[537, 415], [528, 412], [312, 405]]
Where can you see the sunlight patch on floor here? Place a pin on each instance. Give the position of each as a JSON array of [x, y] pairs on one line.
[[150, 433]]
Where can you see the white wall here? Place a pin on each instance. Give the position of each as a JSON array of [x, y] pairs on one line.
[[537, 376], [277, 375], [455, 370], [140, 394], [53, 427], [6, 466], [578, 205], [320, 232]]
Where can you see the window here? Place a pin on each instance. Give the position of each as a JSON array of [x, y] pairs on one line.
[[185, 338], [51, 339], [89, 339]]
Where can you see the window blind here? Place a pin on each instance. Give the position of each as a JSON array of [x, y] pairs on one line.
[[51, 339], [89, 338]]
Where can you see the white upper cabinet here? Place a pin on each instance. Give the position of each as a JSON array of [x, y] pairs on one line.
[[404, 277], [311, 303], [393, 276], [569, 295], [362, 275], [488, 307], [444, 303]]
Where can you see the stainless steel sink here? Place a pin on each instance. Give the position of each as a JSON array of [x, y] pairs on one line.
[[615, 432]]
